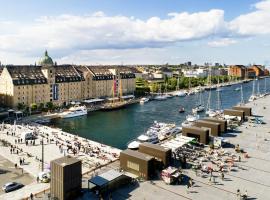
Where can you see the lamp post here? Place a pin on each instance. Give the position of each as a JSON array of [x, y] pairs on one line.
[[42, 155]]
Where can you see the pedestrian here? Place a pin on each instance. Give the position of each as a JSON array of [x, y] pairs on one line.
[[245, 196], [190, 182], [10, 150], [238, 194], [15, 165], [222, 176], [37, 179], [20, 161], [239, 159], [188, 186], [214, 180], [31, 196]]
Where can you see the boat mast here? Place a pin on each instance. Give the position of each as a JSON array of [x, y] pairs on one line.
[[178, 81], [209, 83], [253, 88], [258, 87], [242, 96], [264, 85], [218, 101]]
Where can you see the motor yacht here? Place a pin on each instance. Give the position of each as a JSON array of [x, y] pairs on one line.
[[160, 97], [211, 113], [74, 111], [197, 109], [252, 98], [144, 100], [192, 118], [186, 123], [179, 94]]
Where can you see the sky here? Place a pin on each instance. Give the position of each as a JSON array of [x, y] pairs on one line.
[[135, 31]]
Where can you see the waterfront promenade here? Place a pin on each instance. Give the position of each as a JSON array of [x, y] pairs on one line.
[[56, 144], [251, 174]]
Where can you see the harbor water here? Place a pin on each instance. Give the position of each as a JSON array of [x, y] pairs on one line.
[[116, 128]]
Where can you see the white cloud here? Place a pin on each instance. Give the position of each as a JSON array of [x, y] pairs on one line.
[[98, 31], [67, 35], [223, 42], [253, 23]]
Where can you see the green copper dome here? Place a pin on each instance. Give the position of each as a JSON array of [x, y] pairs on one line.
[[46, 60]]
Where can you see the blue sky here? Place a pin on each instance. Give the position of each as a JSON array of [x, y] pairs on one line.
[[135, 31]]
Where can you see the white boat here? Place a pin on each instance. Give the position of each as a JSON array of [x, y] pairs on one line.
[[192, 118], [160, 97], [211, 113], [199, 108], [179, 94], [253, 97], [186, 123], [143, 100], [134, 145], [237, 89], [74, 111]]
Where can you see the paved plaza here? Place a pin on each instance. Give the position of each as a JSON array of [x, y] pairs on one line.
[[251, 174]]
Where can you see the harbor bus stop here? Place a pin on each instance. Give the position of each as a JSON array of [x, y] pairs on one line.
[[107, 181]]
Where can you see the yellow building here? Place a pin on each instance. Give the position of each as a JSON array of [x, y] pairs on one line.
[[61, 84]]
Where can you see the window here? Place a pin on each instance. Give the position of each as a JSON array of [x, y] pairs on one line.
[[133, 165]]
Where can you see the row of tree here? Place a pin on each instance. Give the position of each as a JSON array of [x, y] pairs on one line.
[[170, 84]]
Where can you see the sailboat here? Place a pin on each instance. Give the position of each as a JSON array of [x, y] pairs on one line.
[[117, 101], [190, 92], [160, 96], [166, 94], [209, 111], [253, 95], [219, 88], [218, 111], [242, 102], [199, 107], [177, 92]]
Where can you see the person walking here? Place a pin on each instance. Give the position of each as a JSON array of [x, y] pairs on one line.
[[238, 194], [31, 196], [222, 176]]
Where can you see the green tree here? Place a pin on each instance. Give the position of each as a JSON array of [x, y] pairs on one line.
[[49, 105], [34, 106]]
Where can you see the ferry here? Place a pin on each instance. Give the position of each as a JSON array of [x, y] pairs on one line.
[[74, 111]]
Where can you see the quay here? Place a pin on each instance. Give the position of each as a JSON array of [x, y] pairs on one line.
[[251, 174], [56, 143]]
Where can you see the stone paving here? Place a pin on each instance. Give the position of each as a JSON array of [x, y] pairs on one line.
[[252, 174]]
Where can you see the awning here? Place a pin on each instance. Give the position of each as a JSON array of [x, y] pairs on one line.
[[93, 100], [128, 97], [105, 178]]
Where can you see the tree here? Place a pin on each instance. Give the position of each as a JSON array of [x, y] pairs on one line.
[[20, 106], [34, 106], [41, 106], [49, 105]]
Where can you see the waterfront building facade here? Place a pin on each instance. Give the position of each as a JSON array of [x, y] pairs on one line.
[[237, 71], [62, 84]]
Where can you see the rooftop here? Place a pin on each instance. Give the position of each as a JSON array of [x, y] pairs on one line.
[[66, 160]]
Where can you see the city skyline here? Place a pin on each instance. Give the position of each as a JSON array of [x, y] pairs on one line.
[[128, 32]]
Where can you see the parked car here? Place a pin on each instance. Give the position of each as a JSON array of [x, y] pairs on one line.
[[8, 187]]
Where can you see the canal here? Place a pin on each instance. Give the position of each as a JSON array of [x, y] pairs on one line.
[[117, 128]]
